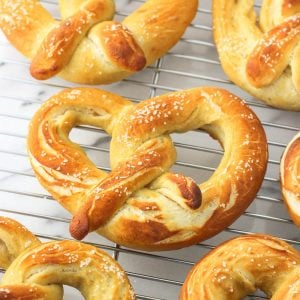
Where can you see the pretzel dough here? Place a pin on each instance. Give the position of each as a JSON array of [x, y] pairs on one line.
[[86, 46], [140, 203], [290, 178], [261, 58], [242, 265], [35, 269]]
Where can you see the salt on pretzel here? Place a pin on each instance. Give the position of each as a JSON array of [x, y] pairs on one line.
[[86, 46], [290, 178], [141, 204], [14, 240], [240, 266], [36, 270], [262, 59]]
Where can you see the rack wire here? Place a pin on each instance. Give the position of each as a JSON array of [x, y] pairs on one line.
[[192, 62]]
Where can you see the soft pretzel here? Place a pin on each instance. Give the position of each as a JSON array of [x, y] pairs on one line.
[[86, 46], [36, 269], [140, 203], [290, 178], [261, 58], [242, 265], [14, 239]]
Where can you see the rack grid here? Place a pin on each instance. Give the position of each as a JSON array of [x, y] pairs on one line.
[[192, 62]]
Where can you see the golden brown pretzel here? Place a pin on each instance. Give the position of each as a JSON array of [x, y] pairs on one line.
[[14, 240], [262, 59], [86, 46], [290, 178], [140, 204], [35, 269], [242, 265]]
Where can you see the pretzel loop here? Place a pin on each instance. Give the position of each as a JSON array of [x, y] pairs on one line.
[[240, 266], [34, 270], [67, 262], [266, 63], [14, 240], [59, 45], [86, 46], [290, 177], [140, 203], [270, 58]]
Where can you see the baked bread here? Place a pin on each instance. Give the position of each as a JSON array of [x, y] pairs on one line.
[[86, 46], [290, 178], [36, 269], [261, 58], [242, 265], [140, 204]]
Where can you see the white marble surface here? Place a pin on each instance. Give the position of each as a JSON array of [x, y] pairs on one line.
[[25, 200]]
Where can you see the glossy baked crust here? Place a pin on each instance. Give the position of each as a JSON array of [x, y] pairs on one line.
[[240, 266], [141, 204], [86, 46], [37, 270], [290, 178], [261, 57]]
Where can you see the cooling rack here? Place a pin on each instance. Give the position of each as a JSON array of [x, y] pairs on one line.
[[192, 62]]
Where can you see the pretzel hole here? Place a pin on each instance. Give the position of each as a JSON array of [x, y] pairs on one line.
[[95, 143], [71, 293], [200, 160]]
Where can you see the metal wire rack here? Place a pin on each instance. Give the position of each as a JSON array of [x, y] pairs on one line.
[[192, 62]]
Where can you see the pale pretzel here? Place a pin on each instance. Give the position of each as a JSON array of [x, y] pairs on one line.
[[140, 204], [263, 59], [290, 178], [86, 47], [242, 265], [35, 269]]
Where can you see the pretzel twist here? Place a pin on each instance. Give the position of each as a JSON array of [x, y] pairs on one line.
[[240, 266], [263, 59], [36, 269], [290, 178], [140, 203], [86, 46]]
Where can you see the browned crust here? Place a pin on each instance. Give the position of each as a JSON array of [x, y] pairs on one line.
[[59, 45], [22, 292], [79, 52], [271, 55], [272, 73], [289, 176], [121, 47], [44, 266], [290, 7], [141, 154], [189, 190], [268, 261], [14, 239]]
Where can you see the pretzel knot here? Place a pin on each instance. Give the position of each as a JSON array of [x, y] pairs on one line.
[[140, 203], [36, 270], [262, 59], [86, 46], [242, 265], [290, 178]]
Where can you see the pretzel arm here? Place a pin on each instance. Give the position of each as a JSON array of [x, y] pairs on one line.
[[59, 45], [59, 162], [82, 266], [151, 160], [272, 53], [240, 266], [14, 238], [29, 291]]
